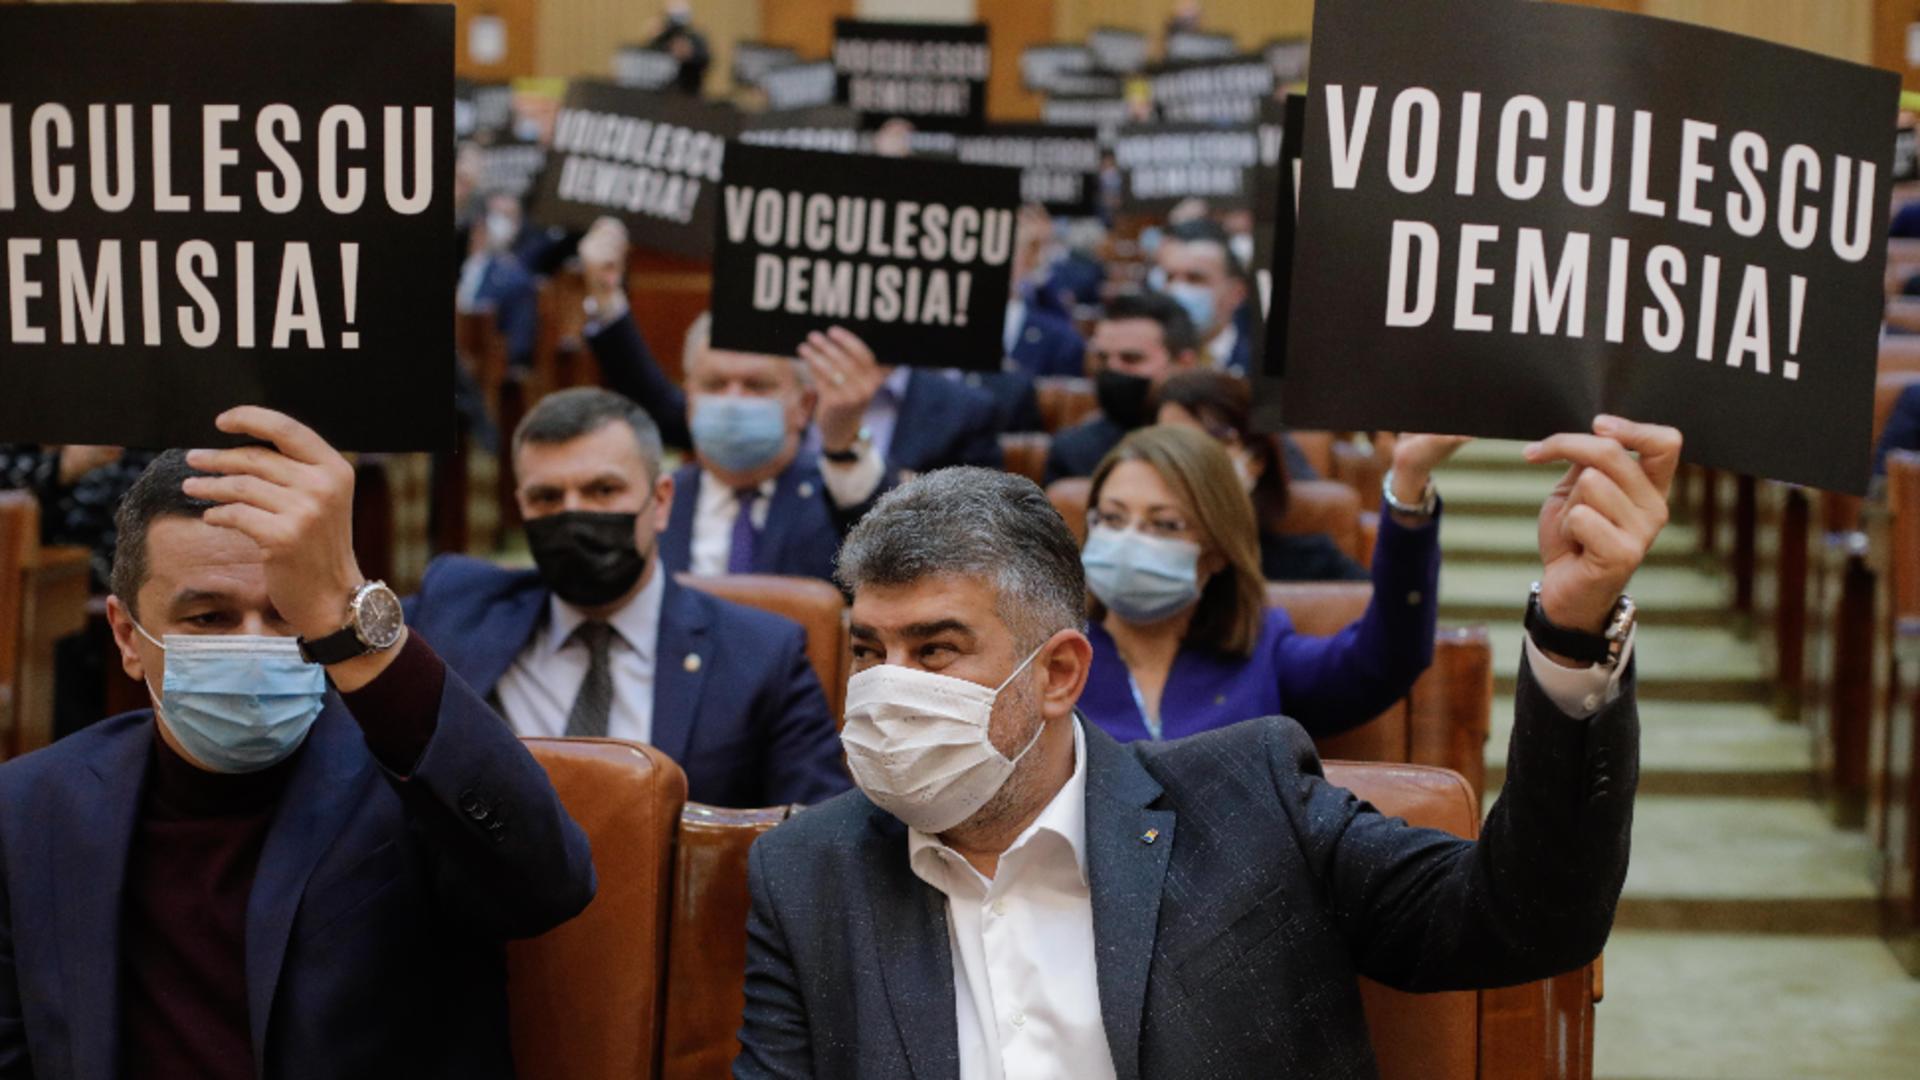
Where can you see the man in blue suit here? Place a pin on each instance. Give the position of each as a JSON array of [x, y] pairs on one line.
[[1012, 892], [495, 279], [288, 869], [599, 640], [1195, 265]]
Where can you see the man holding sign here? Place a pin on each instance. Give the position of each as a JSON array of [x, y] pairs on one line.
[[314, 846]]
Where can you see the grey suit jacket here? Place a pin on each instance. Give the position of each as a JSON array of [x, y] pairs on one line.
[[1230, 946]]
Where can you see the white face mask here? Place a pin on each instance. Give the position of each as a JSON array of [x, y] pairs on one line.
[[918, 743]]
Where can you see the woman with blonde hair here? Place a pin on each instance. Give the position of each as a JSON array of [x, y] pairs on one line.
[[1182, 638]]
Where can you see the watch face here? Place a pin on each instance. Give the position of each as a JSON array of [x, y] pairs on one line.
[[377, 616]]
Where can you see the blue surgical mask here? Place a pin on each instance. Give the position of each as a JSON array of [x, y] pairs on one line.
[[1141, 578], [738, 433], [238, 703], [1197, 299]]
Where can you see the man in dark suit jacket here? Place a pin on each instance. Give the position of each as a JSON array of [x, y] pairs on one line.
[[1037, 898], [725, 690], [271, 878], [1141, 340]]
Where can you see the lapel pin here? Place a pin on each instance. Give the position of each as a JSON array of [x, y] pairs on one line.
[[693, 662], [806, 491], [1150, 836]]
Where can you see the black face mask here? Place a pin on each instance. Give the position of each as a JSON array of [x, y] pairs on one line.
[[587, 558], [1122, 397]]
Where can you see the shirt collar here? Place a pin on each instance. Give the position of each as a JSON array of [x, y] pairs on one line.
[[637, 623], [1222, 346], [896, 383], [715, 493], [1065, 817]]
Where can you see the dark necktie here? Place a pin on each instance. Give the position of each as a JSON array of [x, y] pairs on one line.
[[745, 536], [588, 718]]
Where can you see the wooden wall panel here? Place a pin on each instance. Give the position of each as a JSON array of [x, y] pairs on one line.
[[579, 37], [1890, 21], [805, 25], [1842, 28], [519, 19], [1013, 25]]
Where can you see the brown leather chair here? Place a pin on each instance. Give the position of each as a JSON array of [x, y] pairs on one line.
[[1025, 454], [816, 605], [1900, 353], [707, 946], [43, 598], [586, 1000], [1317, 448], [1443, 721], [19, 532], [1539, 1031], [1330, 507], [1895, 809], [1064, 401]]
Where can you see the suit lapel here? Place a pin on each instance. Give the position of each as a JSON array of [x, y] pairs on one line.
[[507, 626], [676, 541], [915, 952], [912, 426], [321, 795], [681, 657], [1128, 847], [88, 841], [796, 485]]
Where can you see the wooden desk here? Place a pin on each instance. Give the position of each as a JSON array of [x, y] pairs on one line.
[[53, 604]]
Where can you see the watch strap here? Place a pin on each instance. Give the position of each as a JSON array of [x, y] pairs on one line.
[[338, 647], [1581, 645]]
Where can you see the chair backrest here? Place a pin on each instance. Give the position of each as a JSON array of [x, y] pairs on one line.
[[1326, 506], [19, 533], [587, 998], [1025, 454], [1418, 1036], [1887, 389], [1903, 500], [1443, 721], [1064, 401], [1316, 447], [1069, 496], [1900, 352], [709, 938], [816, 605]]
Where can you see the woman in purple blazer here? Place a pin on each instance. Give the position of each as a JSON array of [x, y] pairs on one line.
[[1183, 641]]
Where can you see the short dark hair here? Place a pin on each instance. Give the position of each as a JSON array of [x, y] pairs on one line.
[[1176, 327], [155, 494], [975, 522], [565, 415], [1223, 403], [1208, 231]]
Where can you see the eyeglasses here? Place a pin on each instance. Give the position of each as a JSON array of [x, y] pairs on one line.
[[1162, 524]]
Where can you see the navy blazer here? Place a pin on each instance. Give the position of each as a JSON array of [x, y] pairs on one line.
[[1236, 897], [375, 926], [1047, 344], [803, 531], [747, 723]]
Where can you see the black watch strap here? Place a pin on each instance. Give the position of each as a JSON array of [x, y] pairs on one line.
[[338, 647], [1581, 645], [842, 457]]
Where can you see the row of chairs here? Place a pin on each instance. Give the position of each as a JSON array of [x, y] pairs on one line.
[[43, 598]]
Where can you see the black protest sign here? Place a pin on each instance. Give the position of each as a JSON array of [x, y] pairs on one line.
[[1064, 69], [1117, 51], [1199, 45], [1059, 166], [916, 257], [829, 129], [1229, 90], [257, 213], [644, 68], [1104, 114], [1163, 164], [934, 74], [652, 160], [481, 110], [801, 86], [753, 59], [1568, 211], [1288, 59], [1274, 240]]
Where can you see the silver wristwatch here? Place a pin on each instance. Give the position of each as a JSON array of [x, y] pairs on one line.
[[374, 622]]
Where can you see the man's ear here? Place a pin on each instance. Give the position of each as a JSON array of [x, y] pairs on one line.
[[1064, 662], [663, 501], [125, 638]]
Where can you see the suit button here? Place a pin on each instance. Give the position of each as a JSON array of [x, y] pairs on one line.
[[1414, 598]]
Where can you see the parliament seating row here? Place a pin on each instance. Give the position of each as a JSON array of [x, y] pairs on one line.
[[43, 598], [1314, 506], [649, 980]]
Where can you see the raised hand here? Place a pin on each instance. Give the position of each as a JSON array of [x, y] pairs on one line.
[[1414, 459], [846, 376], [1603, 516]]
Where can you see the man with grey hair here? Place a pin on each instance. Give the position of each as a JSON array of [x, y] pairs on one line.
[[599, 640], [1011, 893]]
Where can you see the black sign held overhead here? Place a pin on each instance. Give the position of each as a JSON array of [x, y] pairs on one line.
[[1059, 166], [1568, 211], [1064, 69], [257, 213], [828, 129], [1116, 51], [933, 74], [644, 68], [1288, 59], [753, 59], [1225, 91], [916, 257], [801, 86], [481, 110], [652, 160], [1106, 115], [1163, 164], [1200, 45]]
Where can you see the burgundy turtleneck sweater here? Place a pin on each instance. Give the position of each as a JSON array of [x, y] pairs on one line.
[[190, 870]]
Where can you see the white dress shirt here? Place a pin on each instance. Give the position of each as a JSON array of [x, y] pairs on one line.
[[1025, 990], [1220, 349], [1025, 987], [537, 692], [717, 508]]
